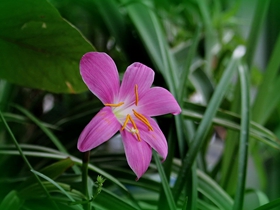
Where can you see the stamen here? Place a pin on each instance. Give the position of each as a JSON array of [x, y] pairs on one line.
[[132, 121], [136, 94], [114, 105], [143, 119], [125, 122], [138, 136]]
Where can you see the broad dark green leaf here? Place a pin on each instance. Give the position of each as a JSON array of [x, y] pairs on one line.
[[38, 48]]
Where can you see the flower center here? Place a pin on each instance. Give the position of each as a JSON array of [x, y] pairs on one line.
[[129, 119]]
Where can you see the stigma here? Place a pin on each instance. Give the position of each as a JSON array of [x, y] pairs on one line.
[[129, 123]]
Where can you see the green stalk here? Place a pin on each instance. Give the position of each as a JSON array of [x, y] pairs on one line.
[[25, 159], [86, 156], [244, 139]]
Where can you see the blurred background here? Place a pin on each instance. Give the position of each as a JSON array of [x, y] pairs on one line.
[[190, 45]]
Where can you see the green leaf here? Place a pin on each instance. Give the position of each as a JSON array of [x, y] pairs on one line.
[[244, 138], [232, 121], [54, 183], [209, 188], [19, 150], [258, 20], [262, 197], [35, 191], [205, 125], [166, 187], [270, 205], [38, 48], [116, 202], [52, 171], [11, 117], [11, 201], [205, 206], [268, 95], [54, 154]]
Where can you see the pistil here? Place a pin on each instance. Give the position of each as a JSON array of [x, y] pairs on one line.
[[134, 129]]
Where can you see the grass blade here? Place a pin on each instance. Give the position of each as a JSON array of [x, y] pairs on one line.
[[270, 205], [206, 122], [184, 77], [52, 137], [54, 183], [24, 158], [209, 188], [265, 93], [231, 120], [254, 33], [244, 139], [166, 187], [60, 156]]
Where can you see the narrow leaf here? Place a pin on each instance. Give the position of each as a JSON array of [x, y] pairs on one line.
[[166, 186], [205, 124], [244, 138]]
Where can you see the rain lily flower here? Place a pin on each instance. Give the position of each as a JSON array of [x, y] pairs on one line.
[[129, 107]]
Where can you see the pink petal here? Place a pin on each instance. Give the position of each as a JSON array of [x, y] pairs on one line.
[[100, 74], [100, 129], [154, 138], [158, 101], [139, 74], [138, 153]]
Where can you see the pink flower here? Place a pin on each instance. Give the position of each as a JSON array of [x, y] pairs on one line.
[[128, 108]]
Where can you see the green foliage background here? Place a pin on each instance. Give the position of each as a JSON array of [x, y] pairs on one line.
[[220, 59]]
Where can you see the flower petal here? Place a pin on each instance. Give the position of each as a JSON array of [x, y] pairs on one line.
[[154, 138], [158, 101], [138, 153], [100, 74], [139, 74], [100, 129]]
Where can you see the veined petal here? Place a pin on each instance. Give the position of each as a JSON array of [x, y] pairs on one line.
[[158, 101], [154, 138], [100, 129], [139, 74], [100, 74], [138, 153]]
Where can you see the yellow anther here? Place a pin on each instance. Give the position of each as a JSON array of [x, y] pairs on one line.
[[114, 105], [143, 119], [136, 94], [125, 122]]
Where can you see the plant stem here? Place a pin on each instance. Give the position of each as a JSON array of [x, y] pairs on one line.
[[86, 156]]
